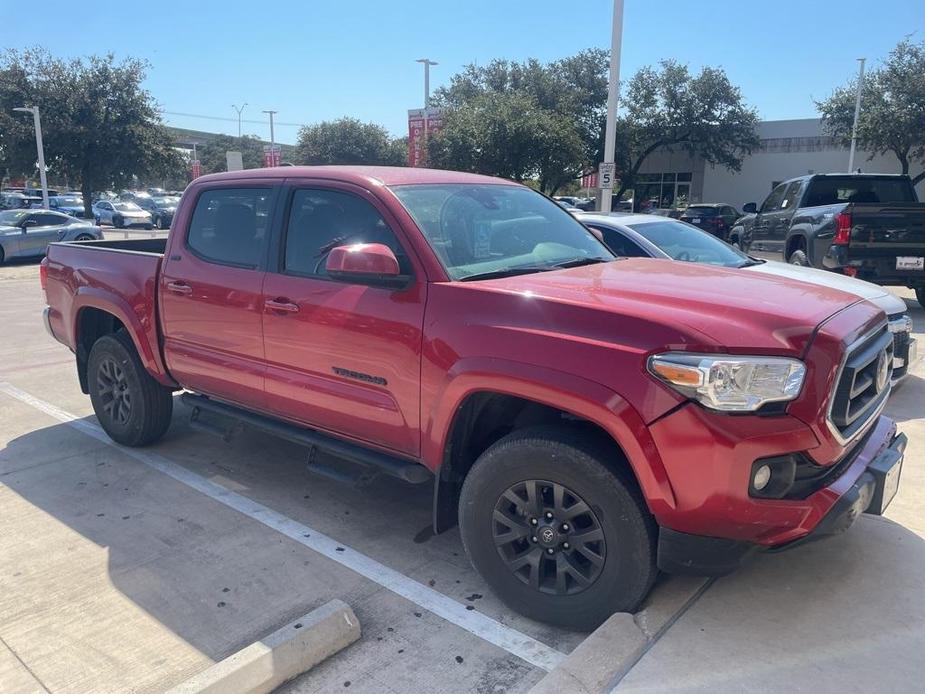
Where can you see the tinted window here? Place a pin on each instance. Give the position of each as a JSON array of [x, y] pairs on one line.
[[476, 229], [46, 219], [320, 220], [773, 201], [830, 190], [230, 225], [621, 245], [700, 211], [685, 242]]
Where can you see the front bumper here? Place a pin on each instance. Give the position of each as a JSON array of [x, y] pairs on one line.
[[871, 492], [905, 347]]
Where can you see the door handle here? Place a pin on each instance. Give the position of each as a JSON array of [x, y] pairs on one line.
[[282, 305], [180, 288]]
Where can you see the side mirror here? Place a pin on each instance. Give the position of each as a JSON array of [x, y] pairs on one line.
[[597, 233], [29, 223], [365, 263], [749, 208]]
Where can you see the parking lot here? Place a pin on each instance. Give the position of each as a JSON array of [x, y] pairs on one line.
[[134, 569]]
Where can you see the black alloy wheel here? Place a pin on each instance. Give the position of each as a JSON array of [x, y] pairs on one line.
[[549, 537]]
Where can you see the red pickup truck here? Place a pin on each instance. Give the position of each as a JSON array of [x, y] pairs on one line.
[[587, 419]]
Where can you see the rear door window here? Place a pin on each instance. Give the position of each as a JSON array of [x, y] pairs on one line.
[[230, 226]]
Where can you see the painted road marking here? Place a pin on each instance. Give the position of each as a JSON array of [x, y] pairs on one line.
[[525, 647]]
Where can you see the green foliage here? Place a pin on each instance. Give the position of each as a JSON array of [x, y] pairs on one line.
[[892, 115], [349, 141], [99, 125], [703, 115], [522, 120], [212, 154]]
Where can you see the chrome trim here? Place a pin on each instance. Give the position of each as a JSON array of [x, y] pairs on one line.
[[46, 319], [841, 367]]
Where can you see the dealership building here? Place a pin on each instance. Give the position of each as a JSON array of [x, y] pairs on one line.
[[788, 148]]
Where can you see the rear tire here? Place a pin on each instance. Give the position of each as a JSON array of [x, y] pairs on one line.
[[919, 292], [130, 405], [798, 258], [582, 581], [84, 237]]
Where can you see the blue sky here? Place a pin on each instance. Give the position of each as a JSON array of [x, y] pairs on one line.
[[314, 61]]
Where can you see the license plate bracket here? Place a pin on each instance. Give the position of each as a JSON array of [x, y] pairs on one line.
[[887, 470], [910, 262]]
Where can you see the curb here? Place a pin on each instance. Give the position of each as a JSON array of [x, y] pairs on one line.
[[610, 651], [281, 656]]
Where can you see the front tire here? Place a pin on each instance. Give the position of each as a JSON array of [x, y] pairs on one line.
[[159, 222], [556, 533], [84, 237], [919, 291], [798, 258], [118, 222], [130, 405]]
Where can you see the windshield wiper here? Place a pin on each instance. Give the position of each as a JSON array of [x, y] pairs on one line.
[[578, 262], [506, 272]]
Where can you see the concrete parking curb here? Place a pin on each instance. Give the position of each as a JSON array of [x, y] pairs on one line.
[[603, 659], [281, 656]]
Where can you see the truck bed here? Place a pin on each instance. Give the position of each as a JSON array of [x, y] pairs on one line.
[[883, 233], [114, 276]]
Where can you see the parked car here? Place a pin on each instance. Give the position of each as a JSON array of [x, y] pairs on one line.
[[161, 208], [121, 214], [581, 203], [10, 200], [869, 226], [68, 204], [37, 192], [640, 236], [670, 212], [587, 420], [716, 218], [27, 233]]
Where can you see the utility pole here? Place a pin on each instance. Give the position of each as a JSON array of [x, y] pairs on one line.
[[607, 170], [426, 62], [272, 138], [857, 113], [239, 110], [37, 120]]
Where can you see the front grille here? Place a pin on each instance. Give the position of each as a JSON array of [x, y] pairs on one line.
[[863, 383]]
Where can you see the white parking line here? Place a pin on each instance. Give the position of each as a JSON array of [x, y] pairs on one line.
[[526, 647]]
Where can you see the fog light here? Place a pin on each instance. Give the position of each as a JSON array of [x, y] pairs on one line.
[[761, 478]]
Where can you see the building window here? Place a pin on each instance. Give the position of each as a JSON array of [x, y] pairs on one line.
[[662, 190]]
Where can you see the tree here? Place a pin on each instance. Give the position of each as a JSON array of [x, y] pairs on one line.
[[892, 117], [667, 107], [212, 153], [507, 135], [568, 97], [348, 141], [99, 125]]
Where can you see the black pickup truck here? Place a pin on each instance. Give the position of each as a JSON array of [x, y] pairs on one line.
[[869, 226]]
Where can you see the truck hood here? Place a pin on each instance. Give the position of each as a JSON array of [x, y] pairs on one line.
[[876, 294], [713, 308]]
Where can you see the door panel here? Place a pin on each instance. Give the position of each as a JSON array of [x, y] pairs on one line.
[[210, 299], [36, 239], [343, 357], [765, 243]]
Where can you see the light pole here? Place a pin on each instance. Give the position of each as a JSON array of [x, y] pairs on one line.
[[426, 62], [272, 138], [613, 92], [857, 112], [239, 110], [34, 110]]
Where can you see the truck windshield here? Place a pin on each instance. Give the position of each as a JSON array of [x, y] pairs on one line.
[[830, 190], [684, 242], [482, 231]]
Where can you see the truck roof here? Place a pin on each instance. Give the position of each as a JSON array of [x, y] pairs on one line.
[[362, 175]]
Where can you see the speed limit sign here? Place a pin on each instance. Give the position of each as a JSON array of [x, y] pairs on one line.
[[606, 174]]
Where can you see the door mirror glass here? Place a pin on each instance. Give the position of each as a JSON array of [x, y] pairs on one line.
[[750, 208], [29, 223], [365, 263]]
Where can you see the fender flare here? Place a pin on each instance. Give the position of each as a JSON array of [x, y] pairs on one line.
[[557, 389], [108, 302], [801, 232]]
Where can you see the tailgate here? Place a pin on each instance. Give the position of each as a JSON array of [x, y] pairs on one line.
[[888, 240]]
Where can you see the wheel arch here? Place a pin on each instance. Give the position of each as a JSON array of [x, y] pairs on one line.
[[475, 413], [797, 240]]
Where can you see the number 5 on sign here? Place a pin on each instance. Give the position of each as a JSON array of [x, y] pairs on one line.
[[606, 174]]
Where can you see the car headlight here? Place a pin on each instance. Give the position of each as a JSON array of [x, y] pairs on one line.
[[729, 383]]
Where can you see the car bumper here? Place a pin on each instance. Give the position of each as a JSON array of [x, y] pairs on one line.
[[46, 320], [870, 492], [905, 347]]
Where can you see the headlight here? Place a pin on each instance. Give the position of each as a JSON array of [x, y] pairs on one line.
[[729, 383]]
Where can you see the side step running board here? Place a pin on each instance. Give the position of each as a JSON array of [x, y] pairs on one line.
[[378, 462]]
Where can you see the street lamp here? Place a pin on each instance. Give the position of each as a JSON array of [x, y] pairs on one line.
[[426, 62], [239, 110], [34, 110], [857, 113], [272, 139], [607, 169]]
